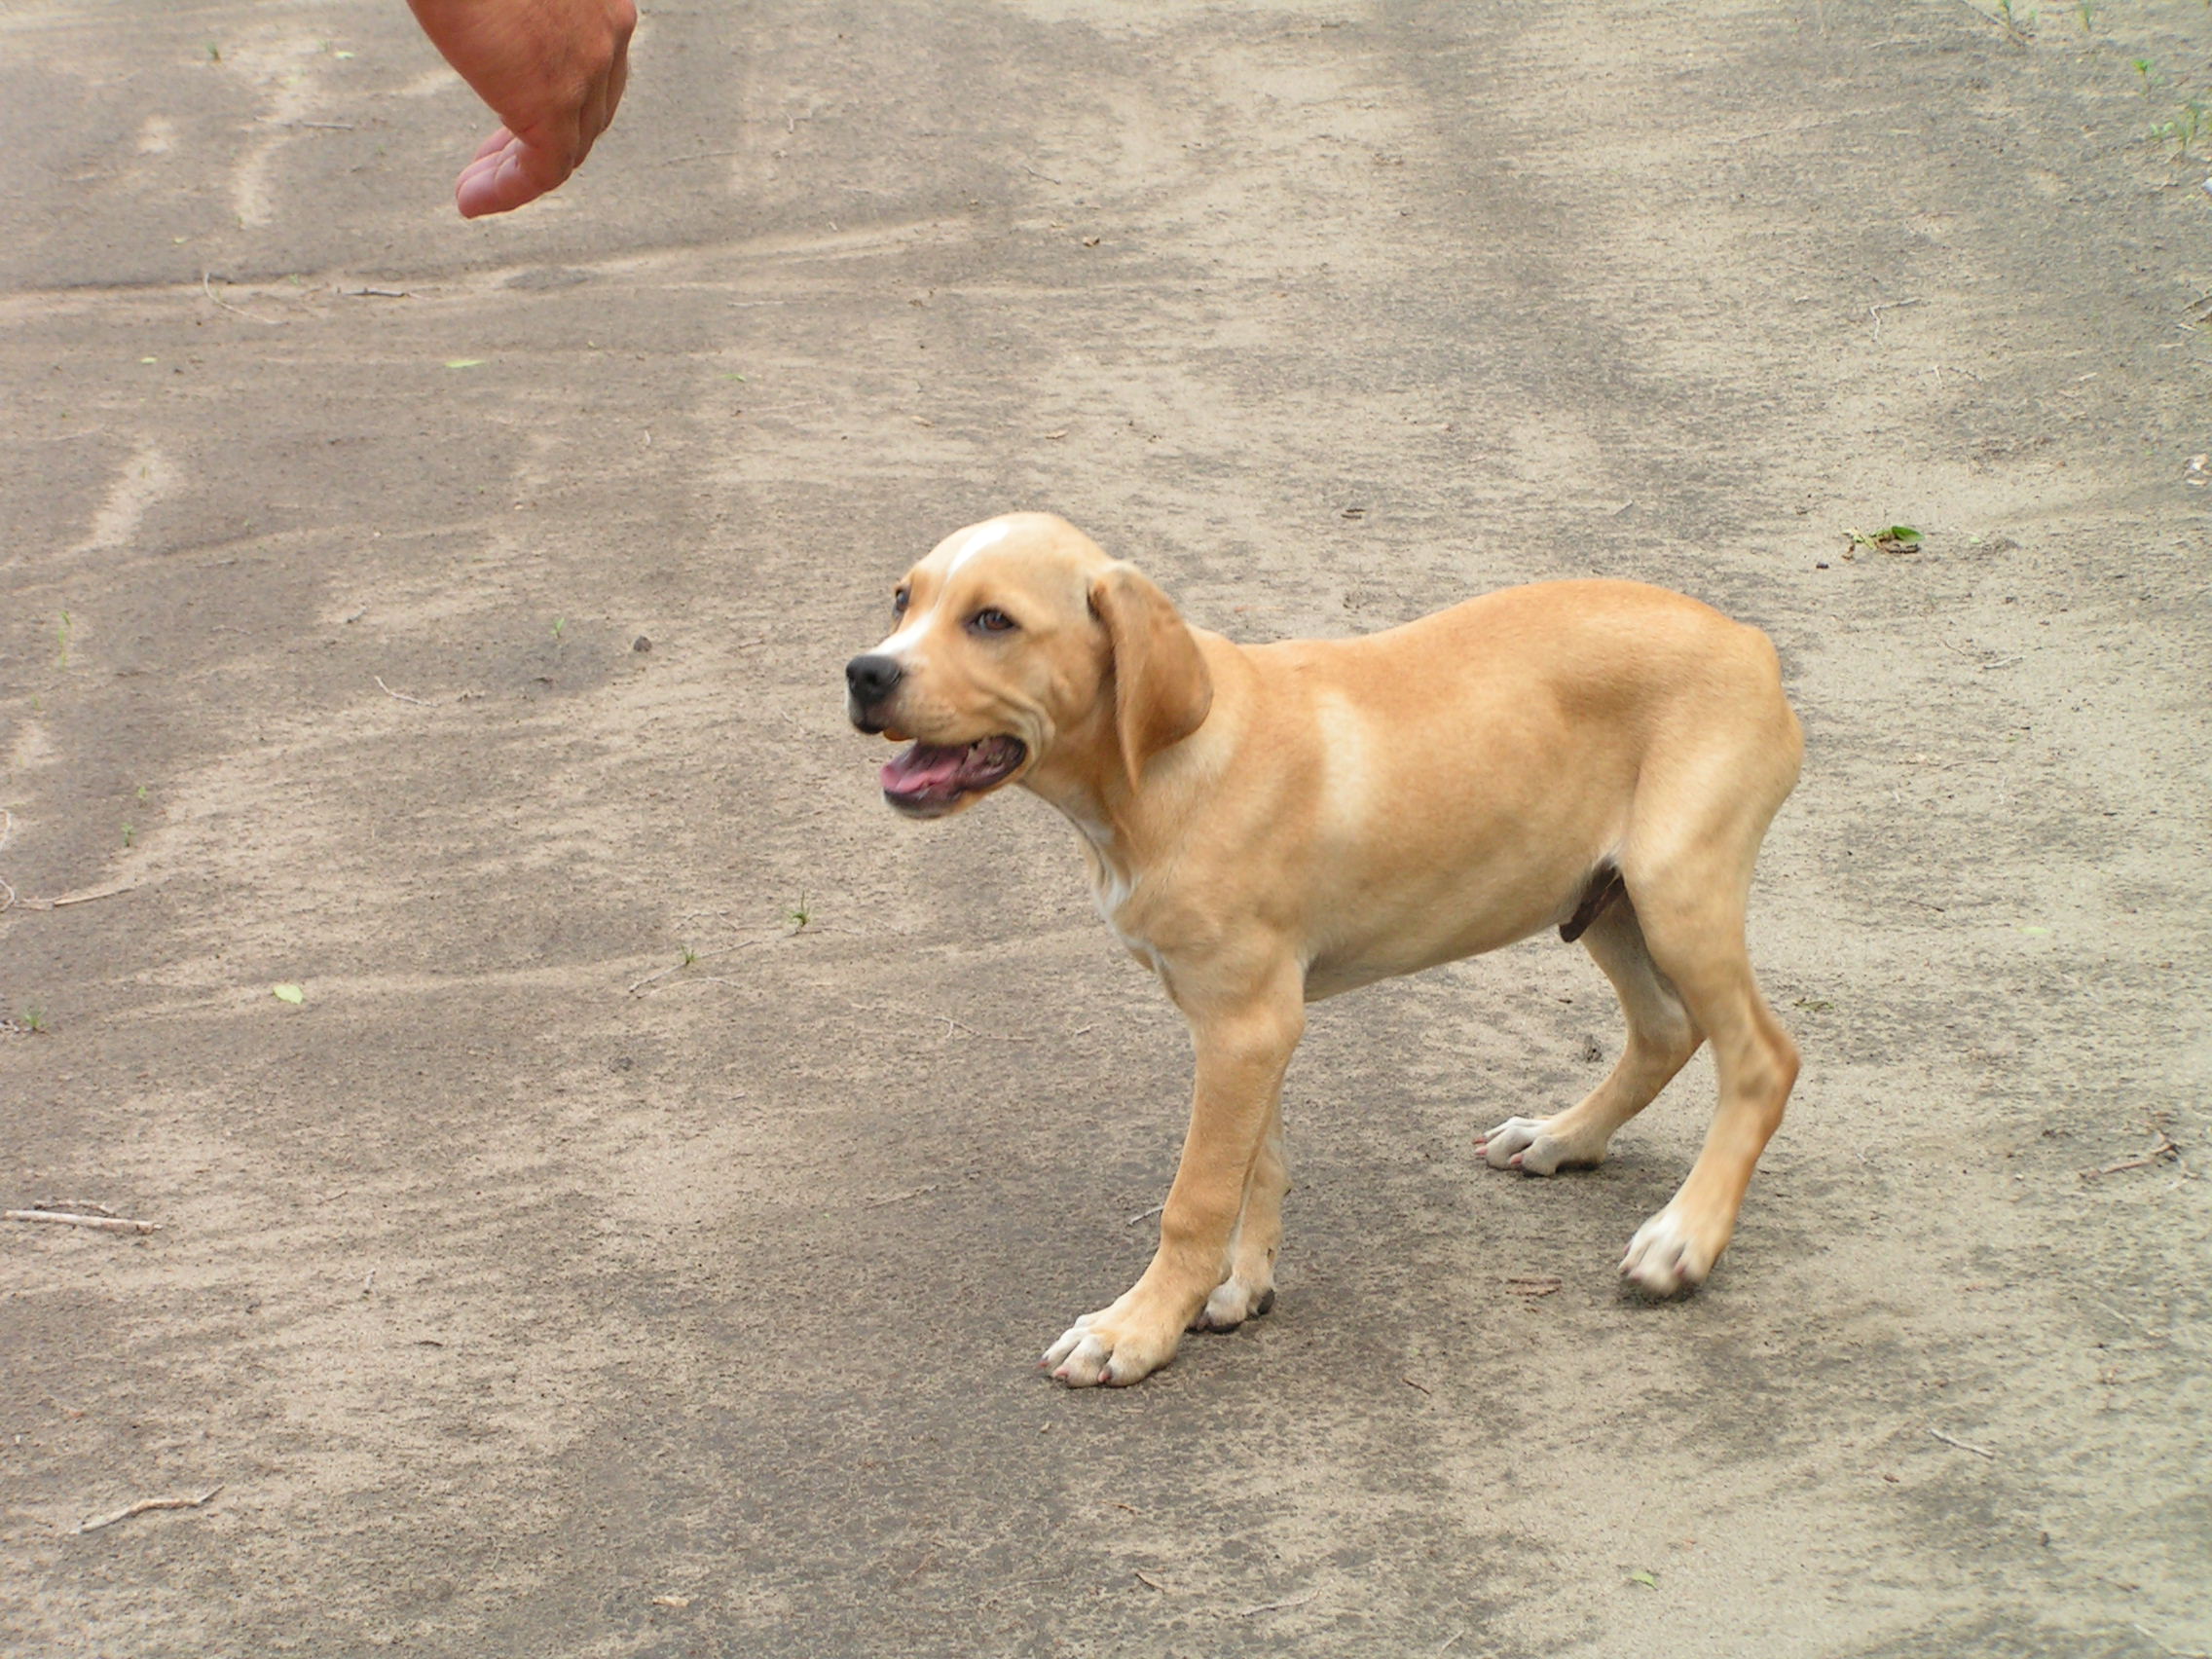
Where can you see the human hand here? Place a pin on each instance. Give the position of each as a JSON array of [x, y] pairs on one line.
[[552, 71]]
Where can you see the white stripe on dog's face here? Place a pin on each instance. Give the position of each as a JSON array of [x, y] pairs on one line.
[[958, 552], [903, 640], [981, 537]]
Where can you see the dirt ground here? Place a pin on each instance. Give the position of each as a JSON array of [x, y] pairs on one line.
[[638, 1240]]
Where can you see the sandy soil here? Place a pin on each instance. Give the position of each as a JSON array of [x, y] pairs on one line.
[[599, 1262]]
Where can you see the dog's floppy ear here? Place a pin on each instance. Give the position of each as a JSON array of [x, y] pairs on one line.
[[1161, 690]]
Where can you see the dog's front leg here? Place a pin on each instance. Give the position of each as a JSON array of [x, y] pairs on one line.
[[1244, 1043]]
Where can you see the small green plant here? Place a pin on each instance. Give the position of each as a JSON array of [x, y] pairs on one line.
[[2147, 68], [2087, 11], [141, 793], [214, 52], [560, 627], [34, 1017], [128, 834], [2188, 126], [800, 914], [61, 639], [2016, 26], [689, 956]]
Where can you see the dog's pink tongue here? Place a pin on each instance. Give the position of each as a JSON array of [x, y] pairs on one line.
[[927, 768]]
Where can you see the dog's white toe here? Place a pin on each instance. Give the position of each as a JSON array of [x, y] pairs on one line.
[[1232, 1303], [1079, 1358], [1116, 1346], [1529, 1145], [1665, 1258], [1515, 1134]]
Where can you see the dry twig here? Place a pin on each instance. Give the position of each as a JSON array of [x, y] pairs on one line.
[[143, 1505], [1875, 312], [1975, 658], [97, 1223], [401, 695], [68, 899], [701, 956], [695, 156], [902, 1198], [207, 288], [2164, 1150], [1963, 1445], [2167, 1649], [1279, 1607]]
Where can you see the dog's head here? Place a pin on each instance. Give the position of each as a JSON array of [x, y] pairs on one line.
[[1021, 651]]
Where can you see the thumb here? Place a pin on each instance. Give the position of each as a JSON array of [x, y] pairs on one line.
[[502, 178]]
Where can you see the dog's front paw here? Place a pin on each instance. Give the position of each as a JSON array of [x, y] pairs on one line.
[[1232, 1303], [1537, 1145], [1112, 1348], [1671, 1254]]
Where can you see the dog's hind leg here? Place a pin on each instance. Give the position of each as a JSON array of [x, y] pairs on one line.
[[1690, 888], [1661, 1038]]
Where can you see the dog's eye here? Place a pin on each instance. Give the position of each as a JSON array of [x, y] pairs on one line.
[[992, 621], [898, 602]]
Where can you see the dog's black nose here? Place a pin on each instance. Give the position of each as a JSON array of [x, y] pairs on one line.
[[871, 679]]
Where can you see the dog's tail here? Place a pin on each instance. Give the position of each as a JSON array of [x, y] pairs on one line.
[[1605, 885]]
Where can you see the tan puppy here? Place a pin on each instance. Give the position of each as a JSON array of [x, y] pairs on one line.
[[1269, 825]]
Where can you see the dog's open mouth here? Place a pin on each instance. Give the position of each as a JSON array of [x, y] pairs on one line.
[[931, 778]]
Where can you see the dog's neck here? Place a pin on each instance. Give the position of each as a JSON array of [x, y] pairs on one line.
[[1125, 823], [1109, 818], [1099, 802], [1125, 826]]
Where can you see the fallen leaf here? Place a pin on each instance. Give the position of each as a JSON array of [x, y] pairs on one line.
[[1889, 538], [2036, 933], [1644, 1578], [464, 362], [288, 994], [678, 1602]]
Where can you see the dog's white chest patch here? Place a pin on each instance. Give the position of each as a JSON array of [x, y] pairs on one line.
[[1110, 892], [1111, 889]]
